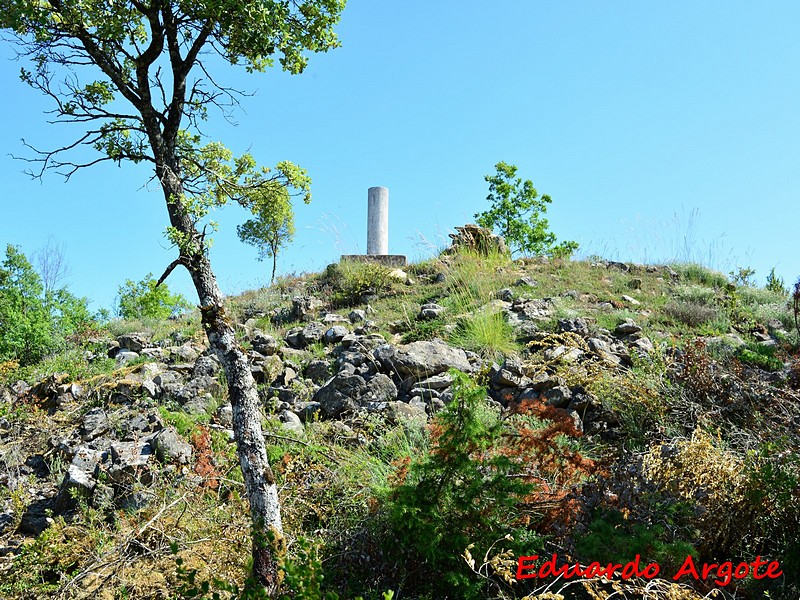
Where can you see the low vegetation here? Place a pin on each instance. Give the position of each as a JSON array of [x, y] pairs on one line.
[[688, 449]]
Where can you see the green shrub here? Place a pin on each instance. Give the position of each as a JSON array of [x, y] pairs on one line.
[[690, 313], [773, 485], [487, 333], [775, 284], [759, 356], [462, 492], [350, 280], [613, 539], [423, 330], [147, 299], [696, 273], [516, 213]]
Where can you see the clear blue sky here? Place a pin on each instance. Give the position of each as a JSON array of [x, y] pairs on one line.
[[661, 130]]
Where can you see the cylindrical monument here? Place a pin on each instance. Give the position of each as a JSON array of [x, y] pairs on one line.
[[378, 221]]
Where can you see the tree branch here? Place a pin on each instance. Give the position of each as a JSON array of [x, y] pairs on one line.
[[171, 267]]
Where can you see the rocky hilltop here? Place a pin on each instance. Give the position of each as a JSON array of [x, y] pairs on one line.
[[658, 406]]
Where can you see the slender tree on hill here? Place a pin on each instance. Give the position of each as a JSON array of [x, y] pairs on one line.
[[136, 77]]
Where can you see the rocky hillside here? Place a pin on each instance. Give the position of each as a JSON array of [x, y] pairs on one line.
[[611, 410]]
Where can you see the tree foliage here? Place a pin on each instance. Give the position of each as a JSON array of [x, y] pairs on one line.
[[145, 299], [273, 225], [516, 214], [34, 322]]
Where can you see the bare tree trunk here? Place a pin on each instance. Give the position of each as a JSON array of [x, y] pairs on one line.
[[259, 479], [274, 266]]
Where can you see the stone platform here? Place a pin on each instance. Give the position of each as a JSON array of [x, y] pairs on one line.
[[387, 260]]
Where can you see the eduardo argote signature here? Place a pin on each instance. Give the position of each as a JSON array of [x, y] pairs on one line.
[[722, 573]]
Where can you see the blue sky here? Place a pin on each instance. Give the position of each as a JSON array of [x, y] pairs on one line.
[[661, 131]]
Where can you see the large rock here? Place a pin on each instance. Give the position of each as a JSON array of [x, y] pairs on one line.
[[206, 366], [291, 422], [379, 389], [135, 342], [263, 343], [77, 484], [171, 447], [340, 394], [477, 239], [304, 307], [95, 424], [426, 358], [403, 413]]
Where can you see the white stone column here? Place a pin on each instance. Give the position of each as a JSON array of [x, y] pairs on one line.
[[378, 220]]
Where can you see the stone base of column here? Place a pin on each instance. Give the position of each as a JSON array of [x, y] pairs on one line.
[[387, 260]]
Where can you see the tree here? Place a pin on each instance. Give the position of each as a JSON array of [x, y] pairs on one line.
[[136, 76], [516, 214], [51, 264], [273, 226], [35, 321], [147, 299], [25, 331]]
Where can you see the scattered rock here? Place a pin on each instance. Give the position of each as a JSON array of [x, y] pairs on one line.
[[334, 335], [264, 344], [292, 423], [426, 358], [339, 395], [627, 327], [577, 326], [357, 316], [318, 370], [135, 342], [206, 366], [529, 281], [398, 413], [95, 424], [304, 307], [170, 447], [430, 311]]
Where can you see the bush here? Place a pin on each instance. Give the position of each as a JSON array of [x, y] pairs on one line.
[[464, 491], [699, 274], [147, 299], [690, 313], [488, 477], [759, 356], [487, 333], [350, 280], [713, 480]]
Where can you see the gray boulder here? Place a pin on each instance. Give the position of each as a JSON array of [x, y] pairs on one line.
[[304, 307], [430, 311], [135, 342], [77, 483], [578, 326], [95, 424], [318, 370], [379, 389], [335, 334], [399, 413], [263, 343], [171, 448], [291, 422], [340, 394], [627, 327], [206, 366], [425, 358]]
